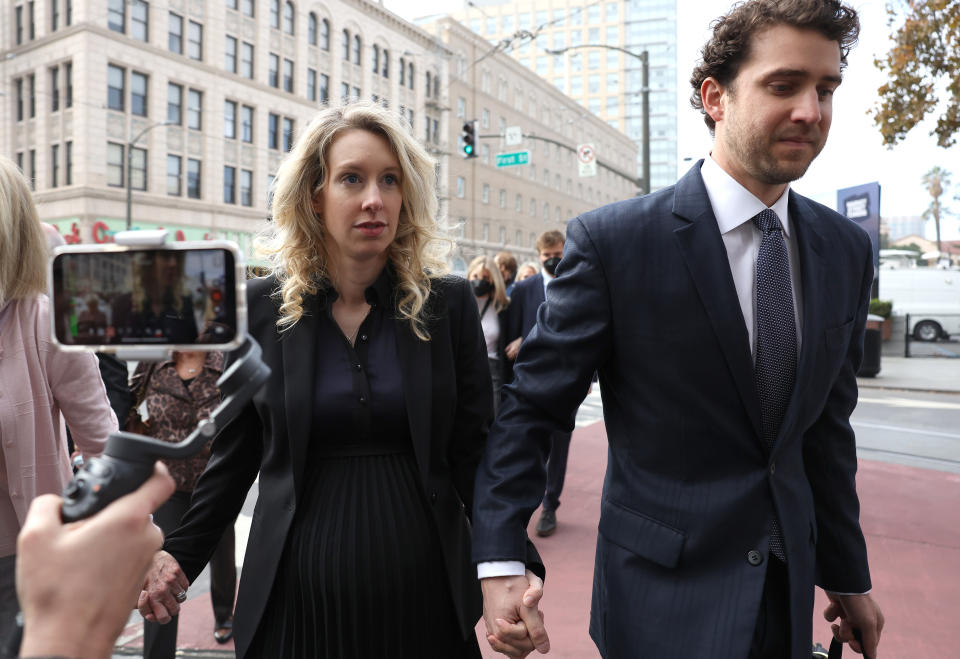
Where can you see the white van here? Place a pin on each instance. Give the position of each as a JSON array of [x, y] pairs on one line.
[[931, 297]]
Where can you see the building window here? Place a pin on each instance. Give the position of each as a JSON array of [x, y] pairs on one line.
[[173, 175], [410, 70], [288, 18], [519, 237], [175, 34], [288, 75], [68, 85], [273, 71], [54, 15], [68, 166], [246, 124], [485, 193], [232, 4], [357, 49], [246, 60], [138, 94], [385, 70], [114, 164], [519, 207], [193, 178], [247, 7], [427, 91], [54, 164], [230, 120], [246, 187], [115, 91], [174, 104], [436, 131], [503, 236], [503, 198], [312, 29], [18, 83], [485, 118], [230, 54], [54, 88], [273, 131], [139, 20], [461, 107], [195, 41], [68, 17], [324, 88], [403, 72], [275, 14], [312, 84], [287, 134], [461, 187], [138, 168], [325, 34], [19, 25], [116, 15], [194, 109], [485, 153], [229, 185], [376, 58]]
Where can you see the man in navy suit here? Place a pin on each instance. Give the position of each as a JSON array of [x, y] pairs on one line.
[[525, 299], [725, 316]]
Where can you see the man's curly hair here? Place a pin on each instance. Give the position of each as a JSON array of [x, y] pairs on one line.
[[729, 46]]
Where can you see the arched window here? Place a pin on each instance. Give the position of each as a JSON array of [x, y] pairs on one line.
[[288, 18], [346, 45], [312, 29], [410, 75], [376, 58], [325, 34], [403, 72], [386, 63], [357, 49], [427, 92], [275, 14]]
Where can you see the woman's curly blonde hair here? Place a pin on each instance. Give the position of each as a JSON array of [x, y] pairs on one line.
[[295, 243]]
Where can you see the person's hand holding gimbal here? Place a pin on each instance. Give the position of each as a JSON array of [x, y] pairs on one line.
[[78, 582]]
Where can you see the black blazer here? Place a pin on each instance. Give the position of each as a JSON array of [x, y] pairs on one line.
[[449, 401], [644, 294], [521, 315]]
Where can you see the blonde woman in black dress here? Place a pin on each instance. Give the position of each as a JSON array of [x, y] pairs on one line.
[[368, 433]]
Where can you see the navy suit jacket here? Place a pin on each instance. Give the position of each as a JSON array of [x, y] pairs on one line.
[[526, 298], [644, 294]]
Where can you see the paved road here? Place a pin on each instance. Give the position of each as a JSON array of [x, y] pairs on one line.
[[913, 553]]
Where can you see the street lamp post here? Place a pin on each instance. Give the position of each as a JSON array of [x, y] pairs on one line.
[[129, 163], [644, 58]]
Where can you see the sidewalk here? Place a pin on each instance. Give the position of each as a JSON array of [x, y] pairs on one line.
[[934, 374]]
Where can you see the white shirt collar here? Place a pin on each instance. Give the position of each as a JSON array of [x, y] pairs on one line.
[[733, 204]]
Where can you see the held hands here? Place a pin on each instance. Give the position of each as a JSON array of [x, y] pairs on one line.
[[513, 619], [164, 589], [513, 348], [858, 612], [76, 582]]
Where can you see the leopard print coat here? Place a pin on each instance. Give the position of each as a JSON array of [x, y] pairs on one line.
[[174, 409]]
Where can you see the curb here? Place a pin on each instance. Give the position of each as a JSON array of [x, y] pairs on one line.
[[895, 387]]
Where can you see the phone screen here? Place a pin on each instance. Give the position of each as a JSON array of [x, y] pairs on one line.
[[145, 297]]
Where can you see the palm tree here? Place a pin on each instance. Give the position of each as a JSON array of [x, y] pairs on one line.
[[936, 180]]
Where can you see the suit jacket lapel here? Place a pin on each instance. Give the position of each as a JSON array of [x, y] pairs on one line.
[[805, 222], [416, 371], [298, 346], [706, 257]]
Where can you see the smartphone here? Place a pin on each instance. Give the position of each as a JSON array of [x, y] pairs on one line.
[[183, 295]]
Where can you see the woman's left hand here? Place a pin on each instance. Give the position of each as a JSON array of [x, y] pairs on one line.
[[164, 589]]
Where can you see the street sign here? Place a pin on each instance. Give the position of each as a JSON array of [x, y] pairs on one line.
[[513, 135], [511, 159], [587, 160]]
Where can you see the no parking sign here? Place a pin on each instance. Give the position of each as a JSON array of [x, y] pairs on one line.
[[587, 159]]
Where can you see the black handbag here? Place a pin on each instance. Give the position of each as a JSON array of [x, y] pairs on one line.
[[835, 651]]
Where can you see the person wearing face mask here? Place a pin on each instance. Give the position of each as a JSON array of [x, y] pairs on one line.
[[492, 301], [525, 299]]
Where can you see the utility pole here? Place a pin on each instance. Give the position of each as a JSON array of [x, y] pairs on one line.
[[644, 57], [129, 183]]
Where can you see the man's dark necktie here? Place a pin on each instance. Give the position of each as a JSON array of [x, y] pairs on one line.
[[775, 365]]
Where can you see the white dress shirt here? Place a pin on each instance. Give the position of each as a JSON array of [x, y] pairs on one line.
[[733, 206]]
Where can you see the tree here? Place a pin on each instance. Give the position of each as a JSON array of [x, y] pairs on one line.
[[936, 180], [922, 65]]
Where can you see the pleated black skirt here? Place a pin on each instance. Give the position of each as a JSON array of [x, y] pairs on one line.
[[362, 574]]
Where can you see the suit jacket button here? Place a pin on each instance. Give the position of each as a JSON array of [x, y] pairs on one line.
[[754, 557], [433, 497], [773, 468]]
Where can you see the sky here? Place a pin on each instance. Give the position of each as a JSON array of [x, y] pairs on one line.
[[854, 153]]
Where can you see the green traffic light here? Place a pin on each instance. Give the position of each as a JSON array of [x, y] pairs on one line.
[[468, 149]]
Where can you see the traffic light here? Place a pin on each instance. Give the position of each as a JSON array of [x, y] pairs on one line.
[[469, 139]]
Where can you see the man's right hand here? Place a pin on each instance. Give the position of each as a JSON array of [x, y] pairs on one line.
[[513, 348], [514, 621], [165, 580]]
